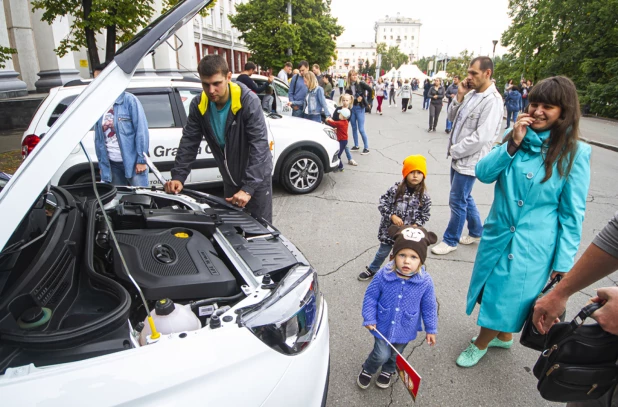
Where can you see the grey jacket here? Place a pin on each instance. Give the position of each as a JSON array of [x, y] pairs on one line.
[[478, 131]]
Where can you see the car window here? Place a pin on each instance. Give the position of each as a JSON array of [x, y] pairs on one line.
[[187, 96], [158, 110], [280, 89], [59, 109]]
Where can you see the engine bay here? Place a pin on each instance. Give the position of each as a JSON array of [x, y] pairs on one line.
[[65, 294]]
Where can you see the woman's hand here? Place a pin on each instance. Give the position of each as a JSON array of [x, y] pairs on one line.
[[371, 327], [359, 99], [521, 126], [431, 339], [397, 221]]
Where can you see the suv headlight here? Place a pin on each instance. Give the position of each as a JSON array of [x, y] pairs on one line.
[[288, 320], [330, 133]]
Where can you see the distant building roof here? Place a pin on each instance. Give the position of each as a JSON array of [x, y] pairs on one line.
[[356, 45], [397, 19]]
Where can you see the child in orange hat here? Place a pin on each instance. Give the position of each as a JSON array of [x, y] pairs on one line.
[[405, 203]]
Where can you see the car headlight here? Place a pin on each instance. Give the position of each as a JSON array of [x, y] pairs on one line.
[[331, 133], [288, 320]]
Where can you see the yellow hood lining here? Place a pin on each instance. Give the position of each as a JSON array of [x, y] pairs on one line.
[[235, 94]]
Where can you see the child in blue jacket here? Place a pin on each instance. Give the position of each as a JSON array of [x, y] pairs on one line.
[[399, 297]]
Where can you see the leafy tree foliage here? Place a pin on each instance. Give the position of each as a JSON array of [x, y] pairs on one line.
[[459, 65], [391, 57], [575, 38], [268, 35], [5, 54]]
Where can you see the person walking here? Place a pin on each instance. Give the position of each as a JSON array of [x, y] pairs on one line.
[[436, 95], [406, 95], [426, 99], [315, 102], [477, 117], [513, 105], [245, 78], [379, 89], [229, 116], [285, 72], [298, 90], [340, 85], [392, 88], [327, 86], [404, 203], [121, 140], [509, 85], [532, 233], [359, 91], [451, 93]]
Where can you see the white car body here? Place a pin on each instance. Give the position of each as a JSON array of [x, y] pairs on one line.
[[286, 134], [272, 346]]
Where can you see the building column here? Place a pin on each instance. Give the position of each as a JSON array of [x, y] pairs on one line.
[[10, 85], [17, 16], [165, 61], [187, 56], [54, 71]]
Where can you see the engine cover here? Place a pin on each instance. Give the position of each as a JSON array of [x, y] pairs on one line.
[[176, 263]]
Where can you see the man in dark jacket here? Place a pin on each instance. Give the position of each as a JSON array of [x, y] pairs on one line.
[[451, 92], [229, 116], [245, 78]]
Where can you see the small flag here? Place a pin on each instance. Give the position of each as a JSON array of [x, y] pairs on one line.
[[409, 377]]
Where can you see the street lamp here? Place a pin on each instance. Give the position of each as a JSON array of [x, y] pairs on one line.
[[495, 43]]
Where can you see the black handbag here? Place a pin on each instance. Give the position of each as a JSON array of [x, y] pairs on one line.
[[579, 361], [530, 336]]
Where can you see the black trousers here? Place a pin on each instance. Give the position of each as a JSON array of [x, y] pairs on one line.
[[391, 97], [434, 113], [261, 202], [404, 104]]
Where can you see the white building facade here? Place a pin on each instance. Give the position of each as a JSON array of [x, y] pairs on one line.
[[400, 31], [352, 55], [36, 68]]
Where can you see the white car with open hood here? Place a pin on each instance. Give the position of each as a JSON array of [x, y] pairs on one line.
[[130, 296]]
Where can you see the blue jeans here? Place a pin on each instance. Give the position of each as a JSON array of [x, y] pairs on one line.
[[462, 208], [383, 251], [426, 101], [314, 117], [449, 124], [357, 118], [383, 355], [298, 113], [343, 146], [348, 154], [509, 114], [119, 178]]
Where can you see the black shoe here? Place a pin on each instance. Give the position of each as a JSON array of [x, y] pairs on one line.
[[429, 130], [384, 380], [355, 148], [366, 275], [365, 151], [447, 131], [364, 379]]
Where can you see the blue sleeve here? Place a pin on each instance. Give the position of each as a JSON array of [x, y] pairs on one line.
[[571, 210], [429, 309], [323, 101], [141, 129], [489, 168], [370, 302]]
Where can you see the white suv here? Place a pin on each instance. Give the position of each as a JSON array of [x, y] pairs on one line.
[[302, 150]]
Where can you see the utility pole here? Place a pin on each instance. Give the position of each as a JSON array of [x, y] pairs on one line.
[[494, 54], [289, 52]]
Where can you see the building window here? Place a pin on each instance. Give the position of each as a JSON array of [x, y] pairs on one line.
[[405, 37], [391, 37], [412, 37], [385, 37]]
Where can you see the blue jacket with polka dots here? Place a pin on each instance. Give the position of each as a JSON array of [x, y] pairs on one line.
[[399, 308]]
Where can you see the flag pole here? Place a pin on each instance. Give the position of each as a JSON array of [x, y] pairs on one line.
[[390, 344]]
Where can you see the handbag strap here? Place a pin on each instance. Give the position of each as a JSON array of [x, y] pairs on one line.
[[552, 283], [584, 313]]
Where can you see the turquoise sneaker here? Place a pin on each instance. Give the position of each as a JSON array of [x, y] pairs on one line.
[[497, 343], [470, 356]]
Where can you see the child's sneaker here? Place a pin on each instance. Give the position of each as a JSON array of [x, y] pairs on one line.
[[364, 379], [352, 162], [384, 380], [366, 275]]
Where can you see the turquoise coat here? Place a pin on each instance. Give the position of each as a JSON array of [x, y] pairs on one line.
[[532, 229]]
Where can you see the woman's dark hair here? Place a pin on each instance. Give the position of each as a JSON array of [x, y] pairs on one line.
[[419, 190], [562, 143]]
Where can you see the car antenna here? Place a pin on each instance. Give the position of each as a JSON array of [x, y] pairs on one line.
[[155, 334]]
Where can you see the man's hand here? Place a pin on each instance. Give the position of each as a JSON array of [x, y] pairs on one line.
[[271, 79], [371, 327], [607, 315], [431, 339], [397, 221], [173, 187], [462, 90], [240, 199], [140, 168], [547, 311]]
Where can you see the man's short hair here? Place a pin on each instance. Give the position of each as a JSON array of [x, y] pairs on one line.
[[288, 64], [316, 66], [303, 63], [250, 66], [485, 63], [211, 65], [99, 67], [456, 77]]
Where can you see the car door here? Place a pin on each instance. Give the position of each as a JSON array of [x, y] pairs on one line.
[[204, 169], [281, 90]]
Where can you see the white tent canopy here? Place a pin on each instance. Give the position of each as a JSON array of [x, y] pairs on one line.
[[390, 74], [409, 71], [440, 75]]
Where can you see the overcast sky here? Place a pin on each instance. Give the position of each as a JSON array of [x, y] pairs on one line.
[[447, 25]]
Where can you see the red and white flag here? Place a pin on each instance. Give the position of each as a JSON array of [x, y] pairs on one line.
[[409, 377]]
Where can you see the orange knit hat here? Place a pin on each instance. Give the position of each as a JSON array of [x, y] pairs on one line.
[[414, 163]]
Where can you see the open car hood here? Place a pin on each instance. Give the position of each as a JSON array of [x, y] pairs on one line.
[[34, 174]]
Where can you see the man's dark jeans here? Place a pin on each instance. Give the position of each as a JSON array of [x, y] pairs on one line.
[[261, 202], [463, 208]]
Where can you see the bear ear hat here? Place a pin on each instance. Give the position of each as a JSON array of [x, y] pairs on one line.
[[394, 230], [431, 238]]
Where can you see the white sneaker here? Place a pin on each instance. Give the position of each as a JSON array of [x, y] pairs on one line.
[[443, 248], [467, 239], [352, 162]]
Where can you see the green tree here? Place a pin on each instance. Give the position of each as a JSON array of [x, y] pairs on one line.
[[5, 55], [423, 63], [120, 18], [459, 65], [393, 58], [268, 35]]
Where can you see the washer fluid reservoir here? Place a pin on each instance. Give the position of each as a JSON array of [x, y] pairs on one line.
[[170, 318]]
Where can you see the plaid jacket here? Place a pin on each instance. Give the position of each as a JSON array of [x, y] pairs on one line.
[[408, 208]]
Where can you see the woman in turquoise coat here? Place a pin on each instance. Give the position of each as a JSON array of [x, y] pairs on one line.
[[542, 175]]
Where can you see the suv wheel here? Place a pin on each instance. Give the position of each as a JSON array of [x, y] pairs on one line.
[[85, 178], [302, 172]]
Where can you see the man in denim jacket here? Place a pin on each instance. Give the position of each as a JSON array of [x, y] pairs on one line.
[[120, 140]]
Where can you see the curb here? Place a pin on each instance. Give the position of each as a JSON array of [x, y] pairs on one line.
[[599, 144]]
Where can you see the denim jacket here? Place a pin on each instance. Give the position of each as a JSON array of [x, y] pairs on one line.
[[315, 102], [132, 132], [399, 308]]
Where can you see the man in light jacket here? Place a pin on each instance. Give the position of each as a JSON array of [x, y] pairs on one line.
[[477, 116]]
